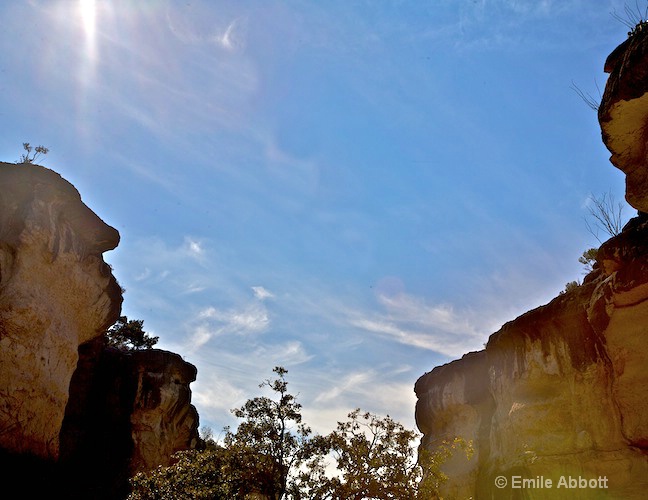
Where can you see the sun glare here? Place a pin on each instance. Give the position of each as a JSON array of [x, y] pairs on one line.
[[88, 10]]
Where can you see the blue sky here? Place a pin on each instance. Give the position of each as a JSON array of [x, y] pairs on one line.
[[357, 191]]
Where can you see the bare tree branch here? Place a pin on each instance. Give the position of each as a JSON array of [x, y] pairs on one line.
[[607, 216], [635, 20], [586, 96]]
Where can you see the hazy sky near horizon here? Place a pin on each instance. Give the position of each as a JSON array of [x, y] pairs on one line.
[[357, 191]]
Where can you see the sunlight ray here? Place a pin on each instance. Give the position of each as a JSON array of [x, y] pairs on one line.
[[88, 9]]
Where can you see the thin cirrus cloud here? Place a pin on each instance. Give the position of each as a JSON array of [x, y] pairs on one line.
[[216, 394], [362, 388], [234, 37], [174, 70], [230, 372], [291, 352], [252, 318], [410, 320], [159, 259], [351, 382], [194, 247]]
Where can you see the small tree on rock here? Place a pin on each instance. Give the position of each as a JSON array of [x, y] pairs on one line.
[[129, 335], [606, 219], [588, 259], [28, 156]]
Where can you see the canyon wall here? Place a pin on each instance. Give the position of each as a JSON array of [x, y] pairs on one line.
[[77, 418], [560, 392]]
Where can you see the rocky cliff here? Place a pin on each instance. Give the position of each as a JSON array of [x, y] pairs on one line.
[[623, 111], [559, 394], [56, 292], [128, 412], [75, 414]]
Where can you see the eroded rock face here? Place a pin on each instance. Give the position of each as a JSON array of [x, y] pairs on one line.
[[560, 391], [56, 292], [454, 401], [623, 113], [129, 411], [163, 421]]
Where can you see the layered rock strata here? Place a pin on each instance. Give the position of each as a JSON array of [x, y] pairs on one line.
[[558, 392]]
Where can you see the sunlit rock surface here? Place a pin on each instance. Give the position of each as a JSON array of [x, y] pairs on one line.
[[623, 113], [56, 292], [560, 391]]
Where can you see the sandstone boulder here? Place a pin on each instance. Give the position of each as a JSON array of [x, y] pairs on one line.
[[163, 421]]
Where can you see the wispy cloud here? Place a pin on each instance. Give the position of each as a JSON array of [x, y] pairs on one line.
[[234, 36], [413, 321], [171, 68], [215, 393], [293, 173], [485, 24], [194, 288], [160, 261], [231, 372], [368, 389], [352, 382], [250, 319], [194, 247], [146, 272], [288, 353], [261, 293]]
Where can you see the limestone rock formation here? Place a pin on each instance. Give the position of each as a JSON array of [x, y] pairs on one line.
[[560, 392], [56, 292]]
